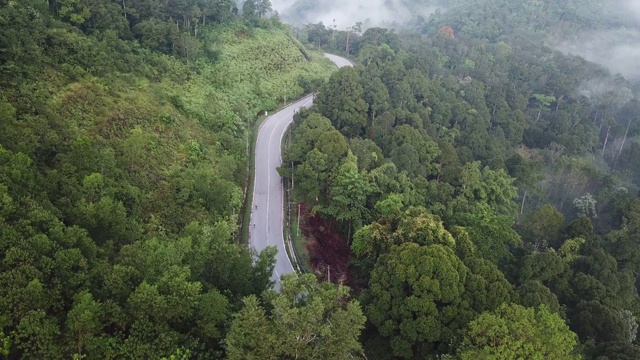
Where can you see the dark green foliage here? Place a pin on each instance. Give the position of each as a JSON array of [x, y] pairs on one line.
[[523, 153], [341, 101], [123, 150], [122, 162], [415, 290]]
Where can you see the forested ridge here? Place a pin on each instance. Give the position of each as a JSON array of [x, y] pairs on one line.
[[124, 139], [484, 183]]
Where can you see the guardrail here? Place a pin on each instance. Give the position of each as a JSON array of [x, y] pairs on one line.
[[292, 251]]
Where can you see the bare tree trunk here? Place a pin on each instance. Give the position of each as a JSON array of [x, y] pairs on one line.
[[124, 7], [626, 132], [558, 102], [524, 197], [346, 48], [564, 197], [606, 138]]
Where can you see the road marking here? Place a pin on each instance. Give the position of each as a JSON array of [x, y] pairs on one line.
[[280, 125]]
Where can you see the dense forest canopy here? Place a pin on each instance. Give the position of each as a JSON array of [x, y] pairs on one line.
[[483, 178], [474, 174], [124, 139]]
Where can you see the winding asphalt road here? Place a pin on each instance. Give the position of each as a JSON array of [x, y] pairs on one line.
[[267, 214]]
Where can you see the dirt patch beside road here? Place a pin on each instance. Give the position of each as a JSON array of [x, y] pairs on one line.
[[328, 249]]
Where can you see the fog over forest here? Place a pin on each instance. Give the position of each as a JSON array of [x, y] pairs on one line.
[[389, 13], [477, 171], [617, 49]]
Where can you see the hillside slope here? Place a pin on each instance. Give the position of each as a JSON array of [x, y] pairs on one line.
[[122, 162]]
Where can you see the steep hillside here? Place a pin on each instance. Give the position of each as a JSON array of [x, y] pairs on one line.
[[123, 156]]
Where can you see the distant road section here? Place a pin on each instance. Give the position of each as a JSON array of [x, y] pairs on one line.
[[267, 214], [339, 61]]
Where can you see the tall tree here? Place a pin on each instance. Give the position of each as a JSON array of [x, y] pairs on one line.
[[348, 194], [341, 101], [308, 320], [516, 332], [416, 298]]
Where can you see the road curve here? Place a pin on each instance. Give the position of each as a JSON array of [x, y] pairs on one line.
[[267, 214], [339, 61]]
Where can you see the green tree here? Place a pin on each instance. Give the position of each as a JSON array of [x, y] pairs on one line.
[[254, 10], [516, 332], [308, 320], [74, 11], [84, 322], [36, 335], [493, 187], [543, 226], [311, 177], [250, 336], [491, 232], [348, 194], [416, 298], [152, 33], [533, 294], [341, 101], [306, 135], [377, 96]]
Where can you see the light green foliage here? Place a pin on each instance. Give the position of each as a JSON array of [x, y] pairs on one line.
[[308, 320], [123, 152], [250, 336], [348, 193], [420, 227], [256, 72], [571, 248], [493, 187], [35, 335], [75, 11], [390, 208], [491, 232], [6, 345], [84, 322], [586, 206], [631, 326], [516, 332], [372, 240], [414, 225]]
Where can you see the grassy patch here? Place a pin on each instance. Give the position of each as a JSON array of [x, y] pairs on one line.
[[299, 242]]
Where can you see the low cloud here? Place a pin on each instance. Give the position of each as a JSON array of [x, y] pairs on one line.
[[388, 13], [618, 50]]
